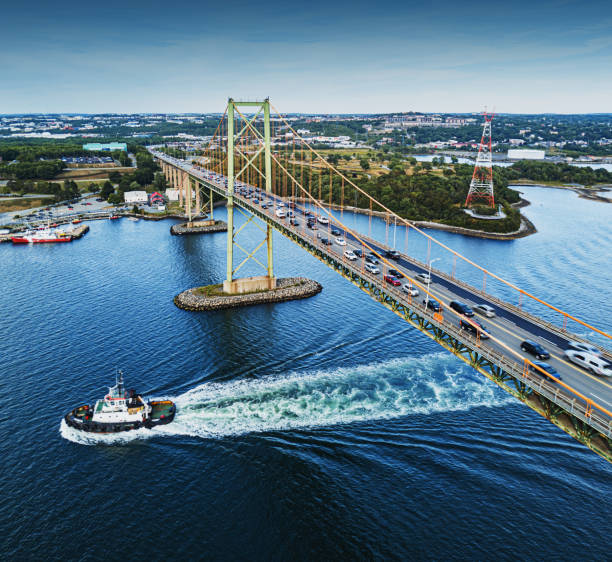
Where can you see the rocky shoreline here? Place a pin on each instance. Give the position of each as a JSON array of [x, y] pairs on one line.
[[288, 288], [183, 228]]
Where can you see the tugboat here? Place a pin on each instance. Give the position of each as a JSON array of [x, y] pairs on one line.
[[121, 411]]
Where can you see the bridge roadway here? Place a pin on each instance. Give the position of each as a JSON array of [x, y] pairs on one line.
[[511, 325]]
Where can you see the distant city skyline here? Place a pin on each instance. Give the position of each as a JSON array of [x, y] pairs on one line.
[[551, 56]]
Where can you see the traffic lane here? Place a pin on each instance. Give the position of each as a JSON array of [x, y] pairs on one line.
[[462, 293], [454, 290], [458, 293], [512, 335]]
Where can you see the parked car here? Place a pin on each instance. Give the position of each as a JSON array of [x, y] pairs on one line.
[[424, 277], [535, 349], [393, 254], [432, 304], [462, 308], [350, 255], [546, 367], [371, 268], [485, 310], [590, 362], [409, 289], [392, 280], [341, 241], [478, 329], [586, 347]]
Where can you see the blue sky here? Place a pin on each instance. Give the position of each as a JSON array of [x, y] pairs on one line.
[[176, 56]]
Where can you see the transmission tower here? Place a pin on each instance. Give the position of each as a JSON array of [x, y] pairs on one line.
[[481, 186]]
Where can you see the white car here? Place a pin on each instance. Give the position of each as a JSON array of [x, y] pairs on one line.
[[371, 268], [280, 213], [409, 289], [586, 347], [425, 277], [323, 220], [341, 241], [484, 309], [350, 255], [590, 362]]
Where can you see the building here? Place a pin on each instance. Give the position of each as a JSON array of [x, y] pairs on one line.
[[135, 197], [525, 154], [108, 147], [172, 194], [156, 199]]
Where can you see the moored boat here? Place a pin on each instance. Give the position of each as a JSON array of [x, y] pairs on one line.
[[120, 411], [42, 236], [77, 221]]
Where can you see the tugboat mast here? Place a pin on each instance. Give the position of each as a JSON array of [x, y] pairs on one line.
[[120, 388]]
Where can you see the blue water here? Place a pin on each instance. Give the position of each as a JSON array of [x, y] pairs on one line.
[[316, 429]]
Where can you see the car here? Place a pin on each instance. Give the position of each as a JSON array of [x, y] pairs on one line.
[[392, 280], [294, 222], [545, 367], [280, 213], [425, 277], [395, 272], [432, 304], [323, 220], [393, 254], [326, 241], [474, 327], [335, 232], [358, 253], [586, 347], [409, 289], [280, 205], [371, 260], [313, 226], [264, 205], [371, 268], [535, 349], [350, 255], [485, 310], [590, 362], [461, 308], [256, 201], [341, 242]]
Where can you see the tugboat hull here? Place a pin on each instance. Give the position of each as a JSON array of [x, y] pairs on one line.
[[162, 413]]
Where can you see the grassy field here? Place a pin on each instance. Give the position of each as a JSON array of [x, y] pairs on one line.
[[21, 203], [90, 175]]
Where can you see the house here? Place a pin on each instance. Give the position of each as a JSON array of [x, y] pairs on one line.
[[135, 197], [156, 199]]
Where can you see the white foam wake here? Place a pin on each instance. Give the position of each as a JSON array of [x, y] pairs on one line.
[[401, 387]]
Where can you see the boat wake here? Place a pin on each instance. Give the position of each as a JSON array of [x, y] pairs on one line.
[[391, 389]]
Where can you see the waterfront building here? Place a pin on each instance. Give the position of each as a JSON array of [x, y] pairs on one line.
[[108, 147], [525, 154], [135, 197]]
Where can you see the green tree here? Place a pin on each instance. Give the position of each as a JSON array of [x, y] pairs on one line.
[[365, 163]]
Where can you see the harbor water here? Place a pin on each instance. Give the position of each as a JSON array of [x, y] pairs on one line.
[[319, 429]]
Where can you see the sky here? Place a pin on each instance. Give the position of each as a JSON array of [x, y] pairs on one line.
[[535, 56]]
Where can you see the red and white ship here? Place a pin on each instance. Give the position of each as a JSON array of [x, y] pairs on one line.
[[43, 236]]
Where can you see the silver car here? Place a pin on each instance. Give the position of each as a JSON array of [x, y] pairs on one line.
[[484, 309], [590, 362]]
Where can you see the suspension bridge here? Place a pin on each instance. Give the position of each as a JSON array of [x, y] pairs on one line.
[[264, 169]]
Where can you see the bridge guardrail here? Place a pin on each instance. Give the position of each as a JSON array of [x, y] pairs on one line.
[[578, 407]]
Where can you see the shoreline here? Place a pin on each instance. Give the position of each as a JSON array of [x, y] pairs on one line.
[[582, 191]]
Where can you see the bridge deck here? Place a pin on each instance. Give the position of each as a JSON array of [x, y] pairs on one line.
[[510, 326]]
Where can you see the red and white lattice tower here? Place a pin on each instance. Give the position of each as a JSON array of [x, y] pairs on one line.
[[481, 186]]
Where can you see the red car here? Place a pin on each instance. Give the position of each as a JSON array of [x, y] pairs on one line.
[[392, 280]]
